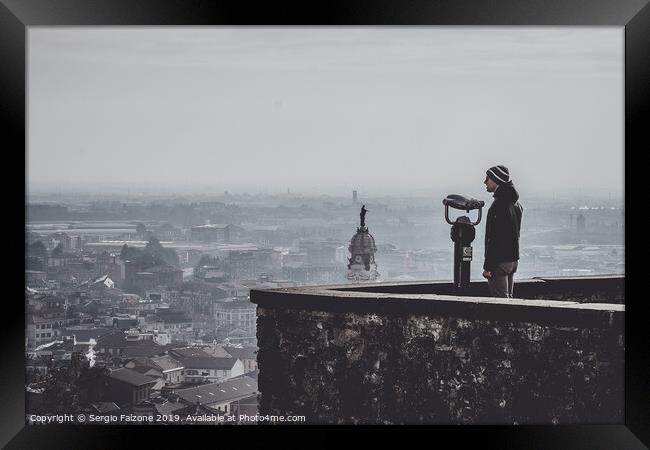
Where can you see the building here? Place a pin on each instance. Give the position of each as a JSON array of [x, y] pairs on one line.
[[85, 334], [294, 259], [247, 355], [211, 233], [200, 366], [105, 408], [249, 264], [124, 322], [173, 322], [35, 275], [319, 252], [98, 285], [199, 369], [154, 277], [41, 330], [219, 397], [128, 387], [117, 345], [116, 270], [233, 290], [171, 369], [235, 315], [112, 344], [362, 248]]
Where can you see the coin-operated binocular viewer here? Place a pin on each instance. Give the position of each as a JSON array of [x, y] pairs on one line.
[[463, 234]]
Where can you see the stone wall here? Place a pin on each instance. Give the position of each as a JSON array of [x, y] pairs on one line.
[[353, 357]]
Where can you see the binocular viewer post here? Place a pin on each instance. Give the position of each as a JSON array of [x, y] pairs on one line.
[[462, 234]]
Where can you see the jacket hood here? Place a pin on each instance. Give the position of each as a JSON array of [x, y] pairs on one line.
[[507, 192]]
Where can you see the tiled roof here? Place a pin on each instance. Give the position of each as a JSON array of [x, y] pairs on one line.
[[190, 351], [169, 407], [130, 377], [143, 361], [84, 335], [173, 316], [113, 340], [148, 371], [143, 349], [166, 363], [219, 392], [104, 407], [161, 269], [196, 362], [238, 305], [242, 353], [217, 351]]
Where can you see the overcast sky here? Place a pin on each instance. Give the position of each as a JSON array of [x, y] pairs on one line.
[[326, 109]]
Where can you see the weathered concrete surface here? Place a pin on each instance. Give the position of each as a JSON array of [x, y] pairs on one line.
[[592, 289], [338, 361]]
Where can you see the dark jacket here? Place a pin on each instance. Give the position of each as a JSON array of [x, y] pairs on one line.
[[502, 227]]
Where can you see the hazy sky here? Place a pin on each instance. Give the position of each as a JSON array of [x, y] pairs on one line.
[[377, 108]]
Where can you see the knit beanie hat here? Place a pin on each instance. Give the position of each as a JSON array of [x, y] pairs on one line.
[[499, 174]]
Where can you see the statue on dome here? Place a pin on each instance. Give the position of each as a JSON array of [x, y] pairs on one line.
[[361, 262], [363, 216]]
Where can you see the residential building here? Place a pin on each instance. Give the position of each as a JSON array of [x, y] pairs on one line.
[[171, 369], [219, 397], [41, 330], [247, 355], [200, 366], [128, 387], [211, 233], [235, 315]]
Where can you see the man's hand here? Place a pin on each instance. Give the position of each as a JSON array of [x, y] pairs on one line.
[[487, 274]]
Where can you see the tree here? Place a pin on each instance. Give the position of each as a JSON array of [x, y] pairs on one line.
[[129, 253], [153, 245], [34, 263], [156, 254], [38, 250], [123, 252], [169, 256], [147, 260], [58, 250], [140, 228]]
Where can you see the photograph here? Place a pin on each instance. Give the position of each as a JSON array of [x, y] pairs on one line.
[[176, 177], [388, 223]]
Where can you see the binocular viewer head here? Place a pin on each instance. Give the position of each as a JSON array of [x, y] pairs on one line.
[[463, 202]]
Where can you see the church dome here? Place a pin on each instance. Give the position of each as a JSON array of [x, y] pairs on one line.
[[362, 243], [362, 266]]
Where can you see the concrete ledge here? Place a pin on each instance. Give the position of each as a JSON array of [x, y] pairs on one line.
[[418, 298], [603, 289]]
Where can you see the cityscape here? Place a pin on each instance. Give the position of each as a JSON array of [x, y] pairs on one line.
[[139, 304]]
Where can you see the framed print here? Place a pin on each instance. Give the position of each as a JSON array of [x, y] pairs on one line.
[[349, 214]]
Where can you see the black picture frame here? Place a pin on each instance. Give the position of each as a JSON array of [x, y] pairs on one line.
[[17, 15]]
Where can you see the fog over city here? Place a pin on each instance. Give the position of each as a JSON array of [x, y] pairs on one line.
[[173, 174]]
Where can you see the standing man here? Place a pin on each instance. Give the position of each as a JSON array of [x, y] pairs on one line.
[[501, 232]]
